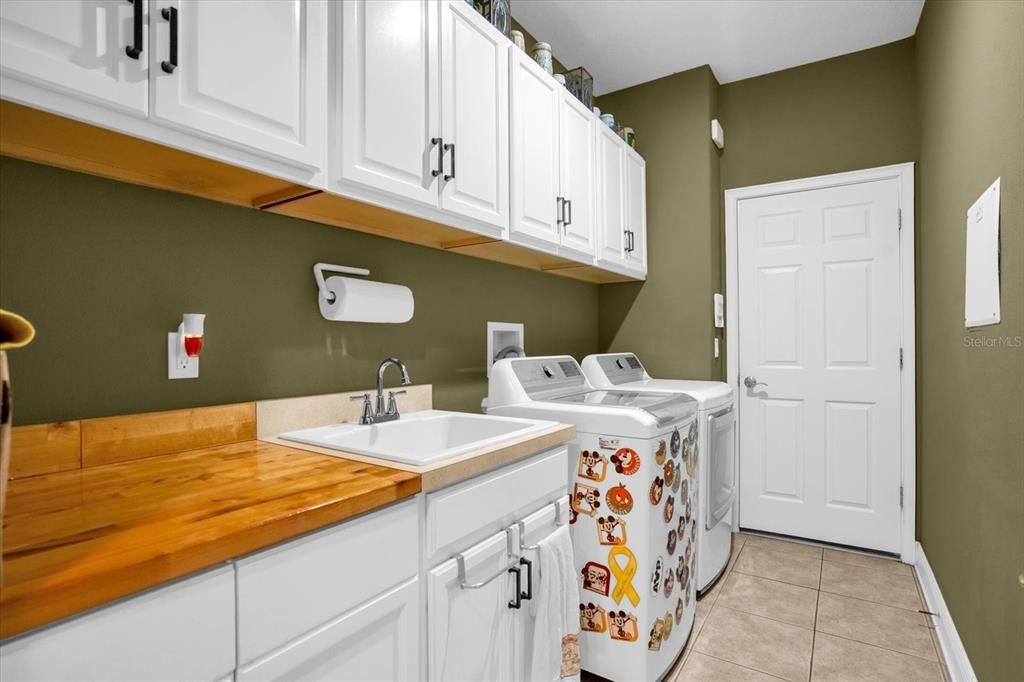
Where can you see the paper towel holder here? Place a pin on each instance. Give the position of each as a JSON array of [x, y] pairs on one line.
[[318, 274]]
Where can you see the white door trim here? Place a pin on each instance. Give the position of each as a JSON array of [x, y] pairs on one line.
[[904, 174]]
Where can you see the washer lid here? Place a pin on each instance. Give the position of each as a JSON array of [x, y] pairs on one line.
[[709, 395], [665, 408]]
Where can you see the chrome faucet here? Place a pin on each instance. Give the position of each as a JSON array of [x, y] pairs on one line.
[[390, 413]]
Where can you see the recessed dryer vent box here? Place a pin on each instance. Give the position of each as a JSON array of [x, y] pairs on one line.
[[505, 339]]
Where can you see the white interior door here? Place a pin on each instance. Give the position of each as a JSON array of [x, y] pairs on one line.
[[536, 211], [248, 72], [819, 330], [78, 48], [390, 100], [474, 113], [578, 177]]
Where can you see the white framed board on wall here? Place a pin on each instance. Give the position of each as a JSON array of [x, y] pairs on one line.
[[981, 286]]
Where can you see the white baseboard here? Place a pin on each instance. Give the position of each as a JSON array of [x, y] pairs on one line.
[[959, 666]]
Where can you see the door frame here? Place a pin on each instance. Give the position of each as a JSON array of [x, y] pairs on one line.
[[903, 173]]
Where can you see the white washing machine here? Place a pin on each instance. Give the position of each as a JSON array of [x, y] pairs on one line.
[[632, 513], [716, 447]]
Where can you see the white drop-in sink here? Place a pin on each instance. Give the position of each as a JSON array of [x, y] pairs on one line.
[[420, 437]]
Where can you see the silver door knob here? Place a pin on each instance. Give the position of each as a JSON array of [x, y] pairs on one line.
[[751, 382]]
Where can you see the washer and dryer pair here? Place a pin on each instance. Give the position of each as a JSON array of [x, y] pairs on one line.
[[642, 515]]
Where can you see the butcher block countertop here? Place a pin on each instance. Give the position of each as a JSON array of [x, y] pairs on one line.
[[77, 539]]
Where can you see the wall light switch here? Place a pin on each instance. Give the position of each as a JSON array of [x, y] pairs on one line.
[[719, 311], [717, 351]]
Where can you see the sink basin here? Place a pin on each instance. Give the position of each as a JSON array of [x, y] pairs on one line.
[[420, 437]]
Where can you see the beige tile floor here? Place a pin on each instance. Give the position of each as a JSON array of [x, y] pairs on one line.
[[793, 611]]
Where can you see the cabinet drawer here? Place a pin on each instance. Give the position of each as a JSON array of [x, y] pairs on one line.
[[185, 631], [285, 592], [470, 511]]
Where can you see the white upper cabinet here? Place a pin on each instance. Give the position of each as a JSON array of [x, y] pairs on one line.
[[387, 61], [577, 169], [474, 111], [250, 73], [537, 213], [636, 212], [79, 49], [611, 210]]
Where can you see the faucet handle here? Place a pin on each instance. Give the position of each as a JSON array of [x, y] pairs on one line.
[[392, 404], [367, 416]]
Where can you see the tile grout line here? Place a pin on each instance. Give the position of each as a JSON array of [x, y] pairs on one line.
[[739, 665], [814, 628]]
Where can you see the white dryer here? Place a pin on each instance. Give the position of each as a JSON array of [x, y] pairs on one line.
[[716, 447], [632, 515]]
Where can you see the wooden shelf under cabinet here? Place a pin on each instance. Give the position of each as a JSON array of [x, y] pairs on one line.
[[41, 137]]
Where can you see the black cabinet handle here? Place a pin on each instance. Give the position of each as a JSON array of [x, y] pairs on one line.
[[517, 602], [171, 15], [568, 202], [559, 210], [629, 241], [435, 141], [529, 578], [135, 49], [452, 176]]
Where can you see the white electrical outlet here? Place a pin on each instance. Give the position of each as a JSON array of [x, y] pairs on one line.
[[179, 365]]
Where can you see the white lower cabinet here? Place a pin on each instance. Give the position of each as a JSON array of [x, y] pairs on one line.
[[472, 633], [376, 641], [184, 631], [298, 602]]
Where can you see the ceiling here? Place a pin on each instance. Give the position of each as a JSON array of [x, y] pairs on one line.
[[623, 43]]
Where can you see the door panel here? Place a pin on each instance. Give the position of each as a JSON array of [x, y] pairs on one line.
[[250, 72], [577, 162], [378, 640], [76, 48], [819, 329], [389, 109], [474, 103], [534, 140]]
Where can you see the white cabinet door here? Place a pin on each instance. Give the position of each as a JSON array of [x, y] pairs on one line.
[[474, 110], [388, 112], [77, 48], [378, 640], [251, 73], [577, 176], [636, 211], [611, 210], [536, 204], [472, 634], [185, 631]]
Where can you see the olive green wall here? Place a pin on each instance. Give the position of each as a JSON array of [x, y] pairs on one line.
[[847, 113], [667, 320], [970, 83], [105, 270]]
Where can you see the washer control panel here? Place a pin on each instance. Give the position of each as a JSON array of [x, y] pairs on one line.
[[621, 368], [549, 376]]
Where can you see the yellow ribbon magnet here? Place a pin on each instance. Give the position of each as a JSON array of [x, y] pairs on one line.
[[623, 575]]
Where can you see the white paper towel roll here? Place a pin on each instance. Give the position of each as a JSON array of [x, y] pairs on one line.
[[360, 300]]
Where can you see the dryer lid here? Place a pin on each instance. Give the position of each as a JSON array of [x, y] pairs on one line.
[[664, 407]]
